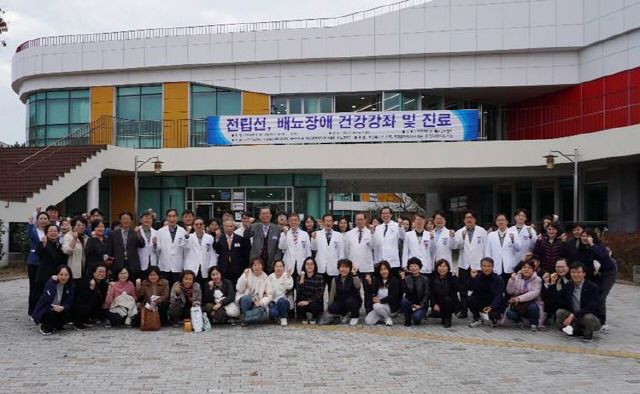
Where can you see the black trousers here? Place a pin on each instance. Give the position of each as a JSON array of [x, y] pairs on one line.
[[477, 304], [342, 307], [52, 319], [447, 308], [33, 296], [464, 276], [315, 308], [172, 277], [82, 311]]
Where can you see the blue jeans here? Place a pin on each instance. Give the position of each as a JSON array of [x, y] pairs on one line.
[[279, 309], [409, 314], [533, 314], [246, 303]]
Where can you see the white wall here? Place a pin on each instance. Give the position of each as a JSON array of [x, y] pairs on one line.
[[440, 44]]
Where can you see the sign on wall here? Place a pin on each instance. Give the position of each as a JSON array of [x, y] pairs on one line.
[[347, 127]]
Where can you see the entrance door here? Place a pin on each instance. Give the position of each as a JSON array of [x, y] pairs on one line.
[[204, 210]]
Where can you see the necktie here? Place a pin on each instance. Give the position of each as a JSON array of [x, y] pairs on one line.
[[386, 227], [359, 235], [501, 236], [229, 242], [295, 237], [419, 236], [328, 237]]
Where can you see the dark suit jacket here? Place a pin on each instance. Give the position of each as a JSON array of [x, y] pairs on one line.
[[254, 232], [232, 262], [590, 301], [117, 248]]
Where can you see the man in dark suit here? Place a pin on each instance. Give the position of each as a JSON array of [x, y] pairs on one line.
[[264, 237], [233, 252], [123, 246], [581, 306]]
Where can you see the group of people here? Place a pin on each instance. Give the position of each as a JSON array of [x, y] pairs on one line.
[[83, 272]]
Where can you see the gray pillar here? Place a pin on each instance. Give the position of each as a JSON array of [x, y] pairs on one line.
[[434, 203], [93, 194], [623, 194]]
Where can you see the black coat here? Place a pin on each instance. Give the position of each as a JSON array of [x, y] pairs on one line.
[[419, 293], [232, 263], [437, 289], [395, 292], [95, 251], [227, 289], [117, 249], [94, 299], [590, 300], [51, 256]]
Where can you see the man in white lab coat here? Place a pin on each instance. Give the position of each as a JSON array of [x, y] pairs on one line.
[[170, 257], [420, 244], [471, 241], [359, 245], [296, 246], [330, 248], [388, 234], [199, 253], [445, 241]]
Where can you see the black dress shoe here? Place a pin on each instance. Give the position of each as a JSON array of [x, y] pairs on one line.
[[463, 315], [407, 323]]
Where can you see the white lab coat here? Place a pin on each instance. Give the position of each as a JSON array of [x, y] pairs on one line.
[[387, 245], [504, 257], [327, 256], [199, 256], [170, 256], [148, 254], [240, 231], [444, 246], [471, 251], [294, 255], [422, 250], [360, 253], [524, 241]]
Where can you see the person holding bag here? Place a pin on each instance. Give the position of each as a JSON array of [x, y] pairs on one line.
[[185, 294], [219, 298], [153, 295], [524, 288], [253, 291]]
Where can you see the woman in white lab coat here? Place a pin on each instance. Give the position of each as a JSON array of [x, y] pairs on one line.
[[525, 235], [199, 254], [501, 247]]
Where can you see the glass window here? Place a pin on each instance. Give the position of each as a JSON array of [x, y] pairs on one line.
[[310, 105], [151, 107], [295, 105], [229, 103], [128, 107], [358, 103], [410, 101], [79, 111], [326, 105], [129, 91], [174, 181], [595, 200], [278, 106], [203, 105], [225, 180], [56, 108], [200, 181], [154, 89], [392, 101], [80, 93], [58, 94], [266, 194], [57, 111], [430, 103], [252, 180], [135, 107]]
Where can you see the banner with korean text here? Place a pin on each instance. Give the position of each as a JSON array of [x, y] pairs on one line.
[[347, 127]]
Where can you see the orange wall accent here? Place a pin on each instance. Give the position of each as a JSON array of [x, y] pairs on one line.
[[122, 195], [176, 113], [388, 197], [102, 104], [255, 103]]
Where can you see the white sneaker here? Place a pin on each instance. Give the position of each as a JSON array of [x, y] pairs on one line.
[[353, 322], [475, 323], [283, 322], [388, 321], [605, 327], [345, 319]]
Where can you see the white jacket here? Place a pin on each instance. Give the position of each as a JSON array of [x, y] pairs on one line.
[[294, 255], [504, 257], [148, 254], [423, 250], [360, 253], [199, 256], [471, 251], [280, 287], [125, 306], [388, 245], [76, 255], [444, 246], [258, 287], [170, 256], [328, 254], [524, 241]]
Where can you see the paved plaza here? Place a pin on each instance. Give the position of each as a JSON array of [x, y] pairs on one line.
[[269, 358]]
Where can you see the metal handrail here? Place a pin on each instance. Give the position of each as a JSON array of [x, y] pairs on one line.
[[219, 28]]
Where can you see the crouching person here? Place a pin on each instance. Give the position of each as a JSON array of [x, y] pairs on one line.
[[220, 298], [524, 289], [488, 293], [153, 291], [581, 308], [89, 297], [120, 303], [54, 306], [415, 303], [281, 285], [384, 293], [253, 293], [185, 294], [344, 296]]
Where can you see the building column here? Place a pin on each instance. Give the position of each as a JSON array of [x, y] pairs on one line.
[[93, 194], [623, 194]]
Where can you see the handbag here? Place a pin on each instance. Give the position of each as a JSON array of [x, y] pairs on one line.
[[149, 320], [206, 324], [196, 318], [253, 315]]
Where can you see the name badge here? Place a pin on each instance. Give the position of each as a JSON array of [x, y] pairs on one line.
[[425, 242], [444, 241], [336, 246], [275, 237], [236, 245], [304, 244], [479, 240], [368, 243]]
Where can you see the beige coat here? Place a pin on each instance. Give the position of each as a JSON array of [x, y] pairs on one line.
[[76, 255], [259, 287]]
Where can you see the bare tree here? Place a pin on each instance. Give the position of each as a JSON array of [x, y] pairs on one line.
[[3, 26]]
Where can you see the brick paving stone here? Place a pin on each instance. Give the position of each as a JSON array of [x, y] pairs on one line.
[[272, 359]]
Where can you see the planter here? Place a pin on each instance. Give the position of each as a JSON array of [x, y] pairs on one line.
[[636, 274]]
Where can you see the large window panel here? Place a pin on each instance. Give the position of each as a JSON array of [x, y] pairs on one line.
[[358, 103], [229, 103], [151, 107], [128, 107], [57, 111], [79, 111]]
